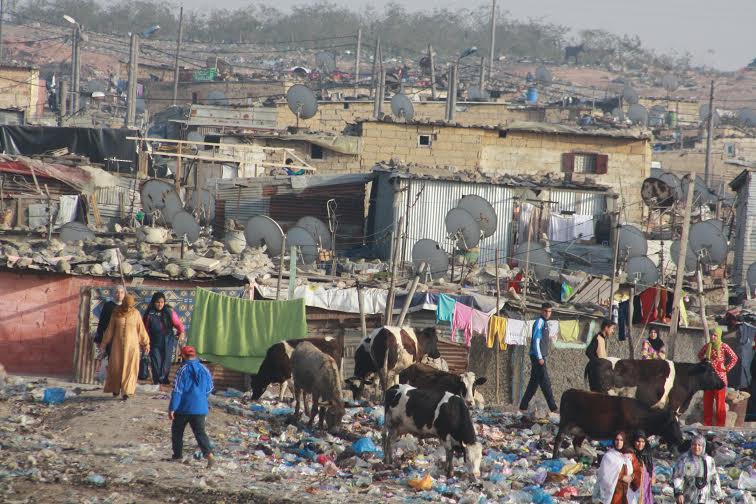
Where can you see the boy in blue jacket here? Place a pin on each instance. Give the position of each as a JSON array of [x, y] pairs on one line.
[[191, 388]]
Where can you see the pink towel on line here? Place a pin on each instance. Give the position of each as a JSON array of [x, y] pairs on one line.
[[462, 321], [478, 324]]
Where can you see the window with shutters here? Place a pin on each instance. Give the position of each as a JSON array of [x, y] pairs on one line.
[[581, 162]]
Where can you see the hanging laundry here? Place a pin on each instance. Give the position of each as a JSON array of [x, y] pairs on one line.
[[527, 211], [554, 331], [582, 227], [462, 321], [445, 308], [479, 322], [662, 313], [497, 329], [648, 305], [516, 330], [560, 228], [567, 291], [683, 312], [745, 351], [623, 319], [570, 330], [516, 283]]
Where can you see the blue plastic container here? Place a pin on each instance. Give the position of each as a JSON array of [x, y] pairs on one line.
[[532, 95], [54, 395]]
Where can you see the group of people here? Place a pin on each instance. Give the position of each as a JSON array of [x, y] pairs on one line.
[[626, 474], [123, 332]]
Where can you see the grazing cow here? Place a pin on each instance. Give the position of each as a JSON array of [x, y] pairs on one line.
[[317, 373], [573, 52], [423, 376], [431, 413], [276, 367], [393, 347], [657, 383], [599, 417]]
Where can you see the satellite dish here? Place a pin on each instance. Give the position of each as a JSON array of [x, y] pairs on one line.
[[217, 98], [302, 101], [156, 194], [751, 276], [203, 203], [172, 205], [482, 211], [463, 227], [642, 270], [748, 116], [402, 107], [656, 193], [673, 182], [669, 82], [325, 61], [75, 231], [261, 230], [690, 257], [318, 230], [184, 224], [629, 95], [632, 242], [539, 261], [308, 247], [543, 75], [431, 253], [638, 114], [703, 114], [717, 224], [475, 93], [707, 238]]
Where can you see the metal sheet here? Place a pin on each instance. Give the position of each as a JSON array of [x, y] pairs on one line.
[[580, 202], [745, 231], [233, 117]]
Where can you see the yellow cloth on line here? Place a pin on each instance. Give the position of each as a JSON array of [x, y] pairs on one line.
[[497, 328], [569, 330], [683, 312]]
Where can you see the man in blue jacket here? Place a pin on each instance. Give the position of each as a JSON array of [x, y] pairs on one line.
[[191, 388], [539, 351]]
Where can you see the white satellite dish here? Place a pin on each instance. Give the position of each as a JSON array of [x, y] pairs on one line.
[[431, 253], [462, 227], [261, 231]]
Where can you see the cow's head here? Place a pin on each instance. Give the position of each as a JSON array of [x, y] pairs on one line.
[[258, 385], [333, 414], [469, 382], [474, 455], [357, 386], [427, 339], [705, 377], [670, 430]]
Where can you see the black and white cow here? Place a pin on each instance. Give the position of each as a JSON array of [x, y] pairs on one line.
[[423, 376], [395, 348], [657, 383], [431, 413], [276, 367]]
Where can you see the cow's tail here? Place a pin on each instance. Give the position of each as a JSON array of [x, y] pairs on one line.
[[586, 377]]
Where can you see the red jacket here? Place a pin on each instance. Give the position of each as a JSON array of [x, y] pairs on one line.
[[718, 360]]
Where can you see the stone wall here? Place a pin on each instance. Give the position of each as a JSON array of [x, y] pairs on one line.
[[158, 95]]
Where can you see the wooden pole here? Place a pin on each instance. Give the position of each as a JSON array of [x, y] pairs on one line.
[[702, 301], [681, 266], [361, 302], [493, 39], [178, 52], [357, 62], [179, 170], [388, 316], [615, 237], [292, 271], [432, 72], [496, 343], [524, 311], [709, 127], [281, 265], [376, 55], [410, 293], [630, 313]]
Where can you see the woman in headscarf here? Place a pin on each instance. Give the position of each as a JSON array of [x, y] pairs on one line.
[[125, 334], [653, 346], [695, 477], [615, 474], [160, 320], [718, 354], [643, 471], [107, 312]]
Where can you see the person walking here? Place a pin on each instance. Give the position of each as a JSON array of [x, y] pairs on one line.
[[718, 353], [540, 345], [615, 474], [161, 320], [107, 313], [597, 348], [127, 334], [189, 404], [695, 479], [653, 346]]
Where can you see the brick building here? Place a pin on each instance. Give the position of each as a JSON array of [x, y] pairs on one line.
[[22, 89]]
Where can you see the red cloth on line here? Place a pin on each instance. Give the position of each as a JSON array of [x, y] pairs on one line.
[[648, 305]]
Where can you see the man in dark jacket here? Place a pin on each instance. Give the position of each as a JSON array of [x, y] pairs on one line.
[[107, 311], [540, 344], [189, 405]]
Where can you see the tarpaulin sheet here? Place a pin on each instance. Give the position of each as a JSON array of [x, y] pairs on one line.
[[342, 300], [98, 144]]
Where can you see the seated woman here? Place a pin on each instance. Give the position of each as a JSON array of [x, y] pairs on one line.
[[653, 346]]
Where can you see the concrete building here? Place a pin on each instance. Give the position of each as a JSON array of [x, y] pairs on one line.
[[158, 95], [745, 225], [22, 89]]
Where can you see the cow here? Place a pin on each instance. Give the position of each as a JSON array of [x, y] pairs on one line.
[[600, 416], [431, 413], [317, 373], [658, 383], [573, 52], [392, 348], [276, 367], [423, 376]]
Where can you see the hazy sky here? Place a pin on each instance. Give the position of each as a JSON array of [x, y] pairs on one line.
[[662, 24]]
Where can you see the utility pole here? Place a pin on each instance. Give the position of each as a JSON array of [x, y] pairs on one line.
[[357, 62], [376, 56], [615, 237], [482, 77], [432, 71], [75, 68], [681, 265], [63, 96], [493, 38], [2, 14], [132, 90], [449, 76], [178, 51], [453, 91], [379, 94], [709, 127]]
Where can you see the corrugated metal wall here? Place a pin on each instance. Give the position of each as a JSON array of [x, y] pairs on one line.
[[745, 235], [114, 203], [580, 202]]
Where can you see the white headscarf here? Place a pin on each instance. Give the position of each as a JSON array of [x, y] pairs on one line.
[[608, 474]]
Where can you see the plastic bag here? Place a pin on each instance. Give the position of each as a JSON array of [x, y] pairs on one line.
[[363, 445], [144, 367], [54, 395]]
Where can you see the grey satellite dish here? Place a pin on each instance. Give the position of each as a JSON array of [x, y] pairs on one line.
[[748, 116], [203, 203], [475, 93], [669, 82], [706, 239], [539, 261], [308, 247], [701, 193], [461, 225], [401, 107], [717, 224], [154, 196], [703, 114], [673, 182], [325, 62], [638, 114], [632, 243], [184, 224], [318, 230], [629, 95], [642, 270], [543, 75], [261, 231], [140, 106], [690, 257], [431, 253], [172, 205], [217, 98], [302, 101], [482, 211], [75, 231], [618, 113], [751, 276]]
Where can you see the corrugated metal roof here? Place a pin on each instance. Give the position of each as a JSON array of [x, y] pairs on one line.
[[595, 290]]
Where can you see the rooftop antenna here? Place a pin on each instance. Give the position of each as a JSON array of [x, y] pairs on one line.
[[402, 107], [261, 231], [302, 102]]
